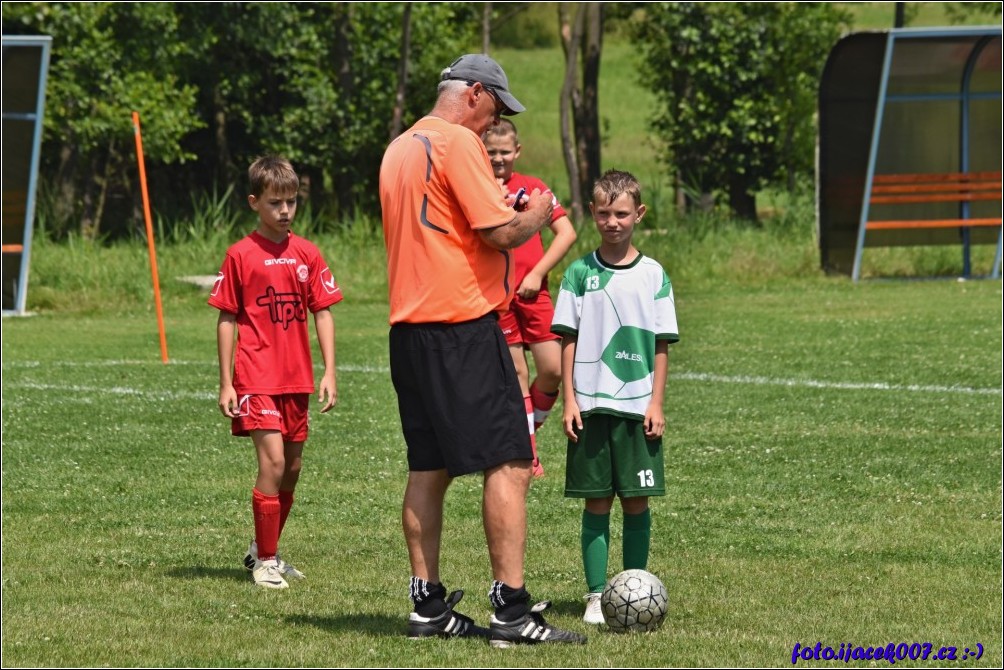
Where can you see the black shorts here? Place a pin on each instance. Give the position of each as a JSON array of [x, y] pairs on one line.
[[458, 395]]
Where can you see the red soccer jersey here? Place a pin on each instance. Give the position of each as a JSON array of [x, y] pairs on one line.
[[271, 287], [528, 254]]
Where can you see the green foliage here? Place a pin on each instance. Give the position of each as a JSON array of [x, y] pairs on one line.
[[219, 83], [104, 65], [315, 81], [735, 85], [970, 12], [524, 25]]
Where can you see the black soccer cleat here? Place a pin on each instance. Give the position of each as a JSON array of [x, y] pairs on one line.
[[448, 624], [531, 629]]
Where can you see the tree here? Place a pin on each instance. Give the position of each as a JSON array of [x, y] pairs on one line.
[[217, 84], [104, 65], [581, 36], [736, 86]]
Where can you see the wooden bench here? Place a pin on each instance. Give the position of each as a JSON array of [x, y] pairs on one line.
[[13, 218], [893, 189]]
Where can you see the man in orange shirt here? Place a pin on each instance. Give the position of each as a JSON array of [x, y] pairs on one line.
[[449, 232]]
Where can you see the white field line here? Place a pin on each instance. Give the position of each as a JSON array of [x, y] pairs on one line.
[[368, 369]]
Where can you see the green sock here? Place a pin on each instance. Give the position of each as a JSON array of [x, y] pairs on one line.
[[595, 540], [637, 536]]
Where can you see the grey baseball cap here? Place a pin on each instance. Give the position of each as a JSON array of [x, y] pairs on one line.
[[481, 68]]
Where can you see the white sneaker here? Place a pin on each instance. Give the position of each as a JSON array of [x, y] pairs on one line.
[[285, 569], [266, 574], [594, 610]]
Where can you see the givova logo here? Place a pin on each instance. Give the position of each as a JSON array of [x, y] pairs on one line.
[[283, 308]]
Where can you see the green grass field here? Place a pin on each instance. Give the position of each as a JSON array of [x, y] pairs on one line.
[[833, 456], [834, 475]]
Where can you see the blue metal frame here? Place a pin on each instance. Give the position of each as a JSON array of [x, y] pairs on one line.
[[963, 96], [45, 43]]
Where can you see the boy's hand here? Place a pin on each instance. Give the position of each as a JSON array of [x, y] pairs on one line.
[[327, 393], [571, 420], [228, 401], [529, 287], [655, 422]]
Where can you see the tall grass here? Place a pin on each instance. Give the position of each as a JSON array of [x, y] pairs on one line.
[[701, 249]]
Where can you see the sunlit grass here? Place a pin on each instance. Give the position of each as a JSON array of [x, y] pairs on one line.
[[833, 466]]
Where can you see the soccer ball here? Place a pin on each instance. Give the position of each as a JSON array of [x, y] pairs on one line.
[[634, 600]]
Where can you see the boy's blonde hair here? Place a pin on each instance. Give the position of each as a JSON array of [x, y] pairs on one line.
[[273, 172], [613, 183], [504, 128]]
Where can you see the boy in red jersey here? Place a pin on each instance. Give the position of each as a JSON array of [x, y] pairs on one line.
[[267, 284], [527, 323]]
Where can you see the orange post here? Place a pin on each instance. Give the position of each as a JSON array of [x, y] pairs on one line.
[[149, 236]]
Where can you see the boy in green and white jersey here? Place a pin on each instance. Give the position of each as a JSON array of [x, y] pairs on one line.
[[616, 314]]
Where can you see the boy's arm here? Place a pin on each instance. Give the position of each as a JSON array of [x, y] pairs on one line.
[[564, 238], [655, 419], [571, 419], [324, 325], [226, 329]]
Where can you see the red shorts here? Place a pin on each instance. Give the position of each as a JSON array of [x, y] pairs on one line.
[[286, 413], [528, 321]]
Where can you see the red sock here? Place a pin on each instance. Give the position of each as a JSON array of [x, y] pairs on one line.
[[266, 523], [542, 404], [285, 504]]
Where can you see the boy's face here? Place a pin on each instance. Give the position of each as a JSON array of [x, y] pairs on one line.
[[275, 213], [615, 221], [503, 152]]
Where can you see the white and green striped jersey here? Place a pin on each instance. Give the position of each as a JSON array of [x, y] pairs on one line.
[[617, 312]]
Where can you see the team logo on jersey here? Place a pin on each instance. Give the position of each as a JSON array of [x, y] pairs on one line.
[[328, 280], [624, 356], [283, 308], [217, 283], [302, 273]]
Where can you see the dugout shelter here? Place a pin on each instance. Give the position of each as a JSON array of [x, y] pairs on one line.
[[25, 68], [909, 147]]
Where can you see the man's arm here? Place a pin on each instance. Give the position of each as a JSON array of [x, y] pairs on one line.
[[523, 225]]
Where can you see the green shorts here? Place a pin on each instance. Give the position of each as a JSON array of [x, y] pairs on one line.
[[613, 456]]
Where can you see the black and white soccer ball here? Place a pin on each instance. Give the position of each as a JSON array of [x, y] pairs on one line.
[[634, 600]]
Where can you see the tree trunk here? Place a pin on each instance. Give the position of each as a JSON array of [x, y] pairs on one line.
[[587, 116], [742, 200], [571, 37], [343, 67], [225, 171], [66, 189], [397, 121], [486, 27], [89, 225], [103, 181]]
